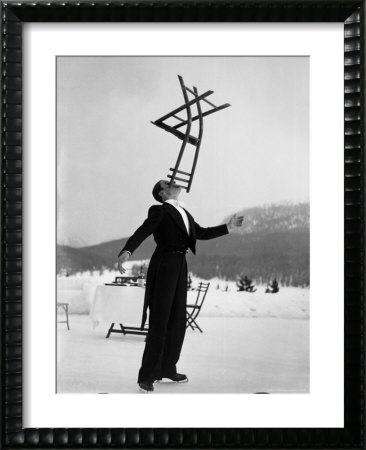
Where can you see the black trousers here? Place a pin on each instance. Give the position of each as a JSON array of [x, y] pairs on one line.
[[167, 319]]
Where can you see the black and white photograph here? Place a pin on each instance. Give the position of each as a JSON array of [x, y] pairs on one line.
[[183, 225]]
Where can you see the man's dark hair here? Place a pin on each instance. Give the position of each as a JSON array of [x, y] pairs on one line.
[[155, 192]]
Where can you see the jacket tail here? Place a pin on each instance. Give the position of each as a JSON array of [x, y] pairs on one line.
[[143, 320]]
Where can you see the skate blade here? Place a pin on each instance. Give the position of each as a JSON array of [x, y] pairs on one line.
[[144, 391], [168, 381]]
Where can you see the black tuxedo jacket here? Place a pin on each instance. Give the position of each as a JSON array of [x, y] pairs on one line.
[[166, 224]]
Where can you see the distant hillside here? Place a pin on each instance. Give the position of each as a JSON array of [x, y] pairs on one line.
[[276, 217], [274, 241], [98, 256], [284, 255]]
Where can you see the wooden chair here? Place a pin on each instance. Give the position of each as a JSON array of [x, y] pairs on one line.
[[185, 178], [193, 310], [65, 307]]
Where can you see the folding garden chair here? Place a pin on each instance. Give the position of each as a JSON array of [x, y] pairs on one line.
[[185, 178], [65, 307], [193, 310]]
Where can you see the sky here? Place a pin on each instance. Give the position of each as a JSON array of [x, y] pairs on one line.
[[109, 155]]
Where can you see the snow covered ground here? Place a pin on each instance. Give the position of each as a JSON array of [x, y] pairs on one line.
[[252, 342], [289, 303], [232, 355]]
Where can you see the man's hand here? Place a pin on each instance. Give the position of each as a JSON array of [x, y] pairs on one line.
[[122, 259], [235, 222]]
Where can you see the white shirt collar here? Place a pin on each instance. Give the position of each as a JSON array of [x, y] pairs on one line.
[[175, 202]]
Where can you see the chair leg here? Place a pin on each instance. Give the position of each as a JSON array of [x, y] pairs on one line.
[[110, 330], [67, 316], [189, 321], [197, 326]]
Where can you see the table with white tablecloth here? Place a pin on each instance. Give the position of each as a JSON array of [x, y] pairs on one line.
[[119, 306]]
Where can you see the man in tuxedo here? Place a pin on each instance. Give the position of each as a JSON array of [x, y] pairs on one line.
[[175, 231]]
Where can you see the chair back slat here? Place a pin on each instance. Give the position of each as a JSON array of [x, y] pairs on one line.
[[201, 293]]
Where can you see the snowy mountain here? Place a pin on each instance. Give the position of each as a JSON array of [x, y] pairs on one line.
[[274, 217]]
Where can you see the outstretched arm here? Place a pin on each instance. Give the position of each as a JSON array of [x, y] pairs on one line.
[[221, 230], [154, 217], [153, 220], [210, 232]]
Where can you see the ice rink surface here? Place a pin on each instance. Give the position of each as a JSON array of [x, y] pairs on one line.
[[232, 355]]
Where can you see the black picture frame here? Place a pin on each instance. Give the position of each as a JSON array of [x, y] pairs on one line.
[[352, 13]]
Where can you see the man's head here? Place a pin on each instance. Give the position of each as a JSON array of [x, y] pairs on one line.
[[162, 191]]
